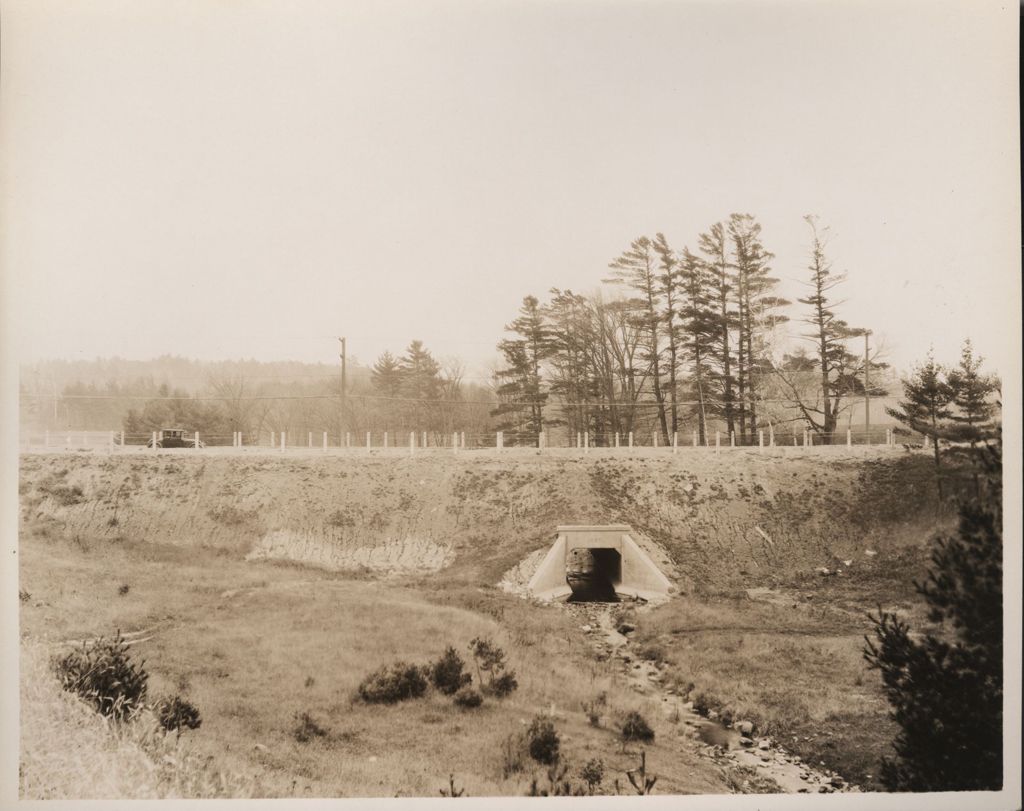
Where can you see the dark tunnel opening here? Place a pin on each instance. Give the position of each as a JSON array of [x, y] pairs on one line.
[[593, 574]]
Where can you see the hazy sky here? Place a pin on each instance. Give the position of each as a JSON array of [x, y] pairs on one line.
[[239, 178]]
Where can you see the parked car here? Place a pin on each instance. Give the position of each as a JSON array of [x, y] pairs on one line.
[[175, 438]]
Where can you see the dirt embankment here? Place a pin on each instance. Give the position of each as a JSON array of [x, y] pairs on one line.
[[739, 518]]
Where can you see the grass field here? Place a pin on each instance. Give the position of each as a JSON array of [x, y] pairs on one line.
[[159, 544]]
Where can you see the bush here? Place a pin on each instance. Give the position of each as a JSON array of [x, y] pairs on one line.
[[592, 773], [446, 674], [395, 682], [636, 728], [542, 740], [106, 677], [490, 659], [503, 685], [467, 698], [175, 714], [306, 728]]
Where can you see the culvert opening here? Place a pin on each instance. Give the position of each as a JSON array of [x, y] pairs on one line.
[[593, 574]]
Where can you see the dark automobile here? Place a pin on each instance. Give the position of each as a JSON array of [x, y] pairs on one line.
[[175, 438]]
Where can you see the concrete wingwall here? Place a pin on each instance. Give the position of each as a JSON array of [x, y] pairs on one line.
[[640, 575]]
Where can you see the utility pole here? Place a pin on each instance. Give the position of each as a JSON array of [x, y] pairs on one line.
[[344, 422], [867, 392]]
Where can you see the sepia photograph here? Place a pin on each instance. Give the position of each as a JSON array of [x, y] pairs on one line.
[[419, 400]]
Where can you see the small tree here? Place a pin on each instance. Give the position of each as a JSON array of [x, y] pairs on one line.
[[971, 392], [925, 408], [946, 692]]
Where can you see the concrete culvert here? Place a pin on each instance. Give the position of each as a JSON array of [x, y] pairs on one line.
[[597, 564], [593, 574]]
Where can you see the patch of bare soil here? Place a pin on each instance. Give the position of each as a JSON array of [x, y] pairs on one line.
[[396, 557]]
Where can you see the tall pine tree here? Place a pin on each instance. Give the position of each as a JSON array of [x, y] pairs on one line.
[[714, 245]]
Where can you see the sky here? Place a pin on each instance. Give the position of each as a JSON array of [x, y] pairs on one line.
[[254, 179]]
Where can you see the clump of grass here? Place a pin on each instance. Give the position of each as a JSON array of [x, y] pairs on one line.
[[468, 698], [306, 728], [175, 714], [123, 589], [594, 708], [513, 755], [558, 783], [23, 596], [65, 495], [446, 674], [651, 651], [395, 682], [635, 728], [542, 740], [106, 677]]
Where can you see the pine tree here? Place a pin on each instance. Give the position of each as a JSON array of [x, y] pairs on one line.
[[925, 408], [946, 691], [520, 383], [971, 394], [700, 330], [635, 269], [714, 246], [756, 313], [834, 365], [670, 290]]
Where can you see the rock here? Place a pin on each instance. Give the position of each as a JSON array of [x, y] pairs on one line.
[[260, 747], [712, 715], [745, 741], [586, 628], [823, 789], [764, 743], [626, 628], [745, 728], [870, 553], [765, 758], [837, 781]]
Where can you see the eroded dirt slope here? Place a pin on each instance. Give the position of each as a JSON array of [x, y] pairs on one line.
[[730, 519]]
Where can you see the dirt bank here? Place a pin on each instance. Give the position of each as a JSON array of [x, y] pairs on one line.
[[728, 520]]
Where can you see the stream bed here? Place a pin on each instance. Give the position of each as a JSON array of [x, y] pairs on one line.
[[709, 738]]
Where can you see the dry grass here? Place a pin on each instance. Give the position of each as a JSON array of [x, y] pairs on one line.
[[796, 671], [255, 645], [69, 751]]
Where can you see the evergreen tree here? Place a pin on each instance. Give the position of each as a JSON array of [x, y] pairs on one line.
[[635, 268], [713, 244], [946, 691], [756, 314], [520, 383], [835, 366], [925, 407], [670, 290], [971, 394], [386, 376], [700, 330]]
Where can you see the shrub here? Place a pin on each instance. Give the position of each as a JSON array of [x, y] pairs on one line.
[[446, 674], [306, 728], [542, 740], [106, 677], [558, 785], [503, 685], [703, 704], [24, 596], [636, 728], [175, 714], [592, 773], [467, 698], [395, 682], [490, 659]]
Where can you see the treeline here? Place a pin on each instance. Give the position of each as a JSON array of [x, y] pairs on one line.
[[688, 340]]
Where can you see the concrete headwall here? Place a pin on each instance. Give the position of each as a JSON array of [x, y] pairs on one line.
[[641, 577]]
